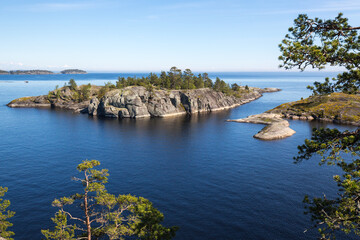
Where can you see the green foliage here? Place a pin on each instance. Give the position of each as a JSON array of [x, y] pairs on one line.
[[57, 92], [208, 83], [176, 79], [85, 92], [61, 230], [149, 221], [322, 88], [5, 215], [235, 87], [50, 95], [77, 94], [317, 43], [105, 215], [341, 149], [221, 86], [72, 85], [106, 88]]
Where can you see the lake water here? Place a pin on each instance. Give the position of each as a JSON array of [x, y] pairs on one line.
[[209, 177]]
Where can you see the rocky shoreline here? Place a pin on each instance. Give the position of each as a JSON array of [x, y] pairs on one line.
[[339, 108], [139, 102]]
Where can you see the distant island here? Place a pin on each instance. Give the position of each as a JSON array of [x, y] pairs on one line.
[[73, 71], [41, 72], [30, 72]]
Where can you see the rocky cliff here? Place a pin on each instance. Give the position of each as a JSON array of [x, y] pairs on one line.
[[138, 102]]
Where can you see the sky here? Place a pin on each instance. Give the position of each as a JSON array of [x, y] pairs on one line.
[[153, 35]]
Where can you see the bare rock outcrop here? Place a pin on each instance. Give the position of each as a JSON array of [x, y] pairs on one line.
[[137, 102], [277, 127]]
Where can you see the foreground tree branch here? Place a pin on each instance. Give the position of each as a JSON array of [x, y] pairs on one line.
[[318, 43]]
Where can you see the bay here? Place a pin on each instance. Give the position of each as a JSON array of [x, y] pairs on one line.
[[209, 177]]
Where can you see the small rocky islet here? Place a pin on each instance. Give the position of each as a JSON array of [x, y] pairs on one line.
[[337, 107], [277, 127], [139, 101]]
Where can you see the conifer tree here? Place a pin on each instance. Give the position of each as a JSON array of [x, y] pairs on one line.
[[318, 43], [5, 215], [105, 214]]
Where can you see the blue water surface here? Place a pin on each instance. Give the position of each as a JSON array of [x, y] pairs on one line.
[[209, 177]]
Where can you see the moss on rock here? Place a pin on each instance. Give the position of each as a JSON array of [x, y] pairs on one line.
[[339, 107]]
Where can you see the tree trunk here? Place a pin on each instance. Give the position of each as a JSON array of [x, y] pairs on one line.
[[87, 217]]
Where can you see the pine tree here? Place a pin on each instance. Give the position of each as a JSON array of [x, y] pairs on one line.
[[5, 215], [104, 214]]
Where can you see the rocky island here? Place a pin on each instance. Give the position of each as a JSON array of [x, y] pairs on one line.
[[4, 72], [168, 94], [138, 101], [73, 71]]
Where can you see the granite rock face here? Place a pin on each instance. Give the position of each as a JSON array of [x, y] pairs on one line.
[[138, 102], [277, 128]]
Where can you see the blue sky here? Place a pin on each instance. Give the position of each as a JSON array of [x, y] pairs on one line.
[[153, 35]]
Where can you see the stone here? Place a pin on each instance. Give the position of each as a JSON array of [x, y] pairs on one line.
[[93, 106], [277, 127], [124, 113]]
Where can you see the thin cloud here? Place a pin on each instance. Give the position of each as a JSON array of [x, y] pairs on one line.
[[61, 6]]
